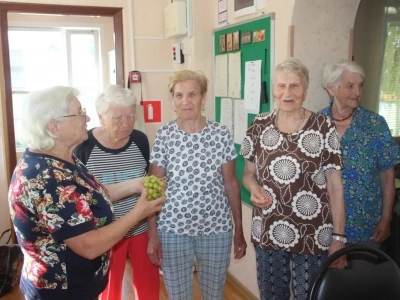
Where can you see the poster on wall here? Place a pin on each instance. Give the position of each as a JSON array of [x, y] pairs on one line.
[[222, 12], [244, 7]]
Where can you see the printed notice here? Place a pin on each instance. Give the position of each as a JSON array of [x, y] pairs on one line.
[[252, 86], [222, 12], [221, 75], [235, 76], [240, 121], [226, 117]]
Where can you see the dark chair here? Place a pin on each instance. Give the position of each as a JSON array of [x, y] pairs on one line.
[[378, 282]]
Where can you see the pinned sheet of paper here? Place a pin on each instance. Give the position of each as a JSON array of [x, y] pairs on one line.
[[252, 86], [221, 75], [240, 117], [235, 75], [226, 117]]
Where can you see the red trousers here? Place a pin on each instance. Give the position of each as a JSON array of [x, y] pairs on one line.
[[146, 280]]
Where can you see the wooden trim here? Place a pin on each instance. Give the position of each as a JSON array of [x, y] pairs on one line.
[[290, 41], [55, 9], [9, 137], [351, 37], [6, 110], [119, 51], [243, 290]]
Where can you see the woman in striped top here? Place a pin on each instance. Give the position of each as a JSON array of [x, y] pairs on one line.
[[116, 152]]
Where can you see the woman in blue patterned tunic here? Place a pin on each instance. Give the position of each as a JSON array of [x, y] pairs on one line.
[[61, 212], [292, 171], [369, 155], [196, 155]]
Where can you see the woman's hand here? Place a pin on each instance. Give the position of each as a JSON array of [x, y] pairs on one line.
[[259, 197], [341, 262], [381, 231], [93, 243], [154, 250], [239, 244], [146, 208]]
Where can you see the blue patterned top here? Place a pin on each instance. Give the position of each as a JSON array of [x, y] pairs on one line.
[[197, 203], [367, 149]]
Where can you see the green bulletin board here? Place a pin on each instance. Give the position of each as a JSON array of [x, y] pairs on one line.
[[255, 50]]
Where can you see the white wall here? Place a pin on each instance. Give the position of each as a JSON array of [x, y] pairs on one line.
[[152, 56], [322, 34]]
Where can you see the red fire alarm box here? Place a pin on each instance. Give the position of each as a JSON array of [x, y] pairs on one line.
[[152, 111], [135, 77]]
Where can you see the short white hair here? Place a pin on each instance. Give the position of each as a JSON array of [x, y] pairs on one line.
[[114, 94], [332, 73], [295, 66], [39, 108]]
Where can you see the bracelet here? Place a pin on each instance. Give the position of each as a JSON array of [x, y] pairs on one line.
[[338, 234], [339, 238]]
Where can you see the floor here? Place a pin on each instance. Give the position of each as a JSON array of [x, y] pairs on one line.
[[230, 293]]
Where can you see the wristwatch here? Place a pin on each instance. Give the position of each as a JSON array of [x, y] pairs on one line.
[[342, 239]]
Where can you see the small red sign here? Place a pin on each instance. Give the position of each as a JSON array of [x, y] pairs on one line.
[[152, 111], [135, 76]]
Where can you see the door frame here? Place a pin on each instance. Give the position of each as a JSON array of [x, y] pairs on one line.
[[6, 90]]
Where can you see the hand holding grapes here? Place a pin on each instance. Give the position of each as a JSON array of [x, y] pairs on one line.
[[154, 186], [145, 207]]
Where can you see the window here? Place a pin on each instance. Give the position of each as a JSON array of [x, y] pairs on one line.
[[389, 99], [44, 57]]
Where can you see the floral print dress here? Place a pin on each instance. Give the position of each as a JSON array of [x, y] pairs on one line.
[[52, 200], [292, 168], [367, 149]]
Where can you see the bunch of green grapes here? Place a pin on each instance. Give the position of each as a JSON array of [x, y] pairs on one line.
[[154, 187]]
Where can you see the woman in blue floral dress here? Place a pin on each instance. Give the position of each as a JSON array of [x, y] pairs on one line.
[[369, 155]]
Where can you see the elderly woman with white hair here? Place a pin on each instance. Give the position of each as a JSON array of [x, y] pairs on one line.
[[115, 152], [369, 154], [292, 171], [62, 213]]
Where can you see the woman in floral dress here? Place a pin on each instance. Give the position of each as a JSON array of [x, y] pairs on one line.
[[61, 213], [292, 171]]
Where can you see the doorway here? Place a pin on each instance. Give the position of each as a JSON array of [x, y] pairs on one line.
[[8, 135], [376, 47]]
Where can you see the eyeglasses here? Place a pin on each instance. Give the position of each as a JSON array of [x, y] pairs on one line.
[[81, 114]]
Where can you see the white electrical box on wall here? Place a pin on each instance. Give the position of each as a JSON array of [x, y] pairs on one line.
[[175, 20]]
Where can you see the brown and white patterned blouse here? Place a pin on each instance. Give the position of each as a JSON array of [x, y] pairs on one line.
[[292, 168]]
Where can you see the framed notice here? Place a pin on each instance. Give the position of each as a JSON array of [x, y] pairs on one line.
[[236, 40], [222, 43], [246, 37], [229, 41]]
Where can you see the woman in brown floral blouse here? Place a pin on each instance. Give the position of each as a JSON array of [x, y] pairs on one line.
[[292, 170]]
